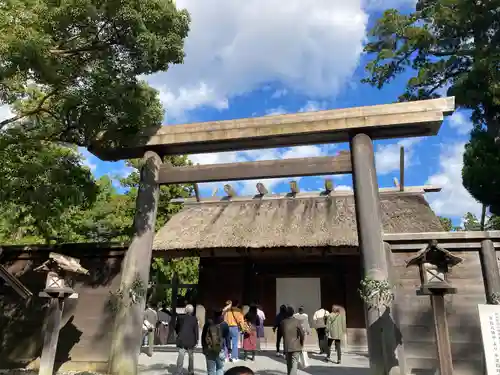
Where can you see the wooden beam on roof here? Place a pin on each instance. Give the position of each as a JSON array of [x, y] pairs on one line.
[[230, 191], [410, 190], [261, 189], [399, 120], [329, 186], [318, 166], [294, 188]]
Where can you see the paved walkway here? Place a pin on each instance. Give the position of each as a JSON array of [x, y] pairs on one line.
[[266, 363]]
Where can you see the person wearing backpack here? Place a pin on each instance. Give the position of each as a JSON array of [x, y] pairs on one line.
[[215, 332]]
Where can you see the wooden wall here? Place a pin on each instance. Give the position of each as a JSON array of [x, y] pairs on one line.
[[84, 340], [417, 325], [224, 278]]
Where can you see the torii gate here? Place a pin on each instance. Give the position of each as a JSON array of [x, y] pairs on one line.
[[358, 126]]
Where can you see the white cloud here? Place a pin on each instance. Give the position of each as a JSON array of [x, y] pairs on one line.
[[5, 112], [460, 123], [234, 47], [454, 200], [276, 111], [343, 188], [88, 159], [312, 106], [387, 157]]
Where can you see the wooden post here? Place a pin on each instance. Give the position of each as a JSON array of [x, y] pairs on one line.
[[372, 250], [491, 275], [127, 330], [442, 335], [196, 192], [402, 168], [54, 315], [395, 312]]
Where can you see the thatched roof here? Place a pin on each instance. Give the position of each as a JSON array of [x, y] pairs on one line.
[[299, 222]]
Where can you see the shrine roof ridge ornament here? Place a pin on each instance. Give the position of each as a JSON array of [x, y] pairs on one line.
[[398, 120], [409, 190]]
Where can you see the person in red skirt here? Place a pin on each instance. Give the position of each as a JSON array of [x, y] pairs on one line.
[[250, 336]]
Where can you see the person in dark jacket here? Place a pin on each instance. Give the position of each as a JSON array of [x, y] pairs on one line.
[[277, 327], [293, 341], [214, 352], [186, 328], [162, 326]]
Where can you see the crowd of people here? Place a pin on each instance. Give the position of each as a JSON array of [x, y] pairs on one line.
[[228, 331]]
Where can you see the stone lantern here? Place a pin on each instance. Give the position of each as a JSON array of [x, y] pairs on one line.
[[57, 289], [434, 263]]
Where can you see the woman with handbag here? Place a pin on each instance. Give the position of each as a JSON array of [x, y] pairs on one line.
[[250, 336], [234, 319]]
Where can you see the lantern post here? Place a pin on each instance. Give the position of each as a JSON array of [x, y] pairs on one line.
[[434, 263], [58, 287]]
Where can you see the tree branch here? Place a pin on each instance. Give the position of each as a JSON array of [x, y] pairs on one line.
[[445, 79], [467, 52], [32, 112], [96, 45]]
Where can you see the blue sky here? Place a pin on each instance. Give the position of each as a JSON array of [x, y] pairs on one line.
[[258, 57]]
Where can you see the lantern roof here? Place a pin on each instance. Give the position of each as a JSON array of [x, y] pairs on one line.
[[434, 254]]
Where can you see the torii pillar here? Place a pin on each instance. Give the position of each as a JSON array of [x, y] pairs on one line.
[[127, 330], [380, 332]]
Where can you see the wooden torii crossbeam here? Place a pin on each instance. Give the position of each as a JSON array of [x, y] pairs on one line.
[[297, 167], [410, 119]]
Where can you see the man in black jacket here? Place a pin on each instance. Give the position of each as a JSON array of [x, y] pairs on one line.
[[186, 329]]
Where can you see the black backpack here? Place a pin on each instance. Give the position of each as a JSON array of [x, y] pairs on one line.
[[213, 338]]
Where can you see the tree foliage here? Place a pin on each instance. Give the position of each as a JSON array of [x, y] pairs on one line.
[[108, 219], [70, 71], [41, 181], [481, 171], [470, 222], [72, 67], [446, 223], [449, 46]]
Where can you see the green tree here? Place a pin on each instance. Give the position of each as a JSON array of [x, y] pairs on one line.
[[108, 220], [446, 223], [453, 46], [41, 181], [493, 223], [481, 171], [72, 68], [470, 222], [70, 71]]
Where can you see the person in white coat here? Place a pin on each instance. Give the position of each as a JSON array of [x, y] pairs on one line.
[[303, 318], [319, 323]]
